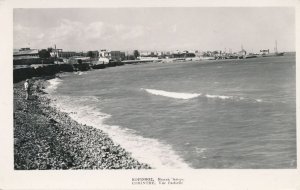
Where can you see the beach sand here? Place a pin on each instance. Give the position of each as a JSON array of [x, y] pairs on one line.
[[45, 138]]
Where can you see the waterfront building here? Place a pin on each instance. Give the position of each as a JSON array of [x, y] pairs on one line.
[[92, 54], [103, 60], [66, 54], [129, 55], [117, 55], [183, 54], [54, 51], [264, 51], [24, 53], [112, 55], [105, 54], [144, 54]]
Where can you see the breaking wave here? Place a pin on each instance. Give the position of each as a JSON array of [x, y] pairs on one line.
[[219, 96], [53, 84], [84, 110], [236, 98], [177, 95], [185, 96]]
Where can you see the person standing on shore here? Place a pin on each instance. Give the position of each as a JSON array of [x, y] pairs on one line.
[[27, 88]]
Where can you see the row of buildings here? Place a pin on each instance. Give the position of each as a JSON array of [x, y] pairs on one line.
[[111, 55], [107, 56], [103, 54], [24, 53], [59, 54]]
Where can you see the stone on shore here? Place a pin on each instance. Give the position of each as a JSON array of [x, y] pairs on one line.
[[45, 138]]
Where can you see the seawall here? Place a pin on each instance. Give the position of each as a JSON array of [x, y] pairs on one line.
[[30, 61], [20, 74], [40, 70]]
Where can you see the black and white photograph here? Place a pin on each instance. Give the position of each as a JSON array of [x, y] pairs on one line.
[[154, 88]]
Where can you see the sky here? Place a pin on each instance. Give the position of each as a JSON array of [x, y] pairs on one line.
[[160, 29]]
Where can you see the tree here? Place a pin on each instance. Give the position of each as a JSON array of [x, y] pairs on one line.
[[136, 53], [44, 53], [130, 57], [50, 49], [90, 54], [215, 52]]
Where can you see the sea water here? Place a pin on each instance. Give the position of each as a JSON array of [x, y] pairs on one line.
[[205, 114]]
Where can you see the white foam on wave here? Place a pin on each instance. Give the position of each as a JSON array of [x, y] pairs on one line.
[[53, 84], [201, 152], [236, 98], [177, 95], [81, 73], [147, 150], [219, 96]]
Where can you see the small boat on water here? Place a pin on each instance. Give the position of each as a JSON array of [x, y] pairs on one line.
[[273, 54], [207, 58], [250, 55], [279, 54], [276, 53]]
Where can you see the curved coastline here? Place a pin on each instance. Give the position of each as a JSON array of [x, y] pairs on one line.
[[154, 152], [46, 138], [26, 157]]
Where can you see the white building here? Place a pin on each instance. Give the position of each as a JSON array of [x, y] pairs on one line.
[[105, 54]]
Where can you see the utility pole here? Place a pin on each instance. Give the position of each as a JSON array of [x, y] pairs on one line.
[[275, 49], [55, 53]]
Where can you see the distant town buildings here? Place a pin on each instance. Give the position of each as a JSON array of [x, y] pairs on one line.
[[104, 53], [117, 55], [264, 51], [112, 55], [24, 53], [91, 54], [66, 54], [54, 52], [56, 55]]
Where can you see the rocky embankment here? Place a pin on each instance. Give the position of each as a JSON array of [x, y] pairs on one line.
[[22, 73], [45, 138]]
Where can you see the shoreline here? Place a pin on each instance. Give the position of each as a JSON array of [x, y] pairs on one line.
[[40, 153], [46, 138], [147, 150], [22, 72]]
